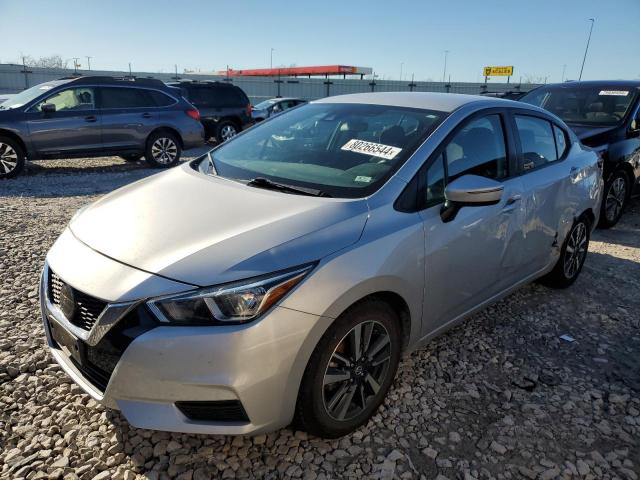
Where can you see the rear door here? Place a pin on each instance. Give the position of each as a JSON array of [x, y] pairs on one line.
[[128, 116], [74, 128], [548, 178]]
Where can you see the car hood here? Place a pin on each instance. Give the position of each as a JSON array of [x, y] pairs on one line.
[[204, 230], [585, 132]]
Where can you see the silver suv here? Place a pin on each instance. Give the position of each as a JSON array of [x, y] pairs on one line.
[[293, 265]]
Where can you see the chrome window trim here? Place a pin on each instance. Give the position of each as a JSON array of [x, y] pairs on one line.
[[111, 315]]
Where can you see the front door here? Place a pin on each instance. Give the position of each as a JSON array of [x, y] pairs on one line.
[[74, 127], [475, 256]]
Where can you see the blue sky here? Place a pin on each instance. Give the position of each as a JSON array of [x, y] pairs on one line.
[[538, 38]]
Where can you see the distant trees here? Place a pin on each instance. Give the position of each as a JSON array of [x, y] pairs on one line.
[[52, 61]]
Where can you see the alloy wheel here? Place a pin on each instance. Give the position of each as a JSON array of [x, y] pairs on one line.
[[616, 196], [164, 150], [576, 250], [227, 132], [8, 158], [357, 368]]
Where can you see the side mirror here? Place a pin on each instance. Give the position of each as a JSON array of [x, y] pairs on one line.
[[48, 108], [469, 191]]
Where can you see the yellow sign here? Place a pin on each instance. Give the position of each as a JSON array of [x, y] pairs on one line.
[[498, 71]]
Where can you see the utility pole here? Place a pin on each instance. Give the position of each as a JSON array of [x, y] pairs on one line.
[[271, 58], [444, 73], [564, 69], [130, 69], [401, 65], [88, 62], [75, 64], [592, 20]]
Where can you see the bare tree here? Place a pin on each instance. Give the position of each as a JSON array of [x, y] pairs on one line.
[[53, 61], [531, 78]]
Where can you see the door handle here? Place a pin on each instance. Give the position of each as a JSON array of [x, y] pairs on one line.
[[90, 118], [146, 115], [513, 199]]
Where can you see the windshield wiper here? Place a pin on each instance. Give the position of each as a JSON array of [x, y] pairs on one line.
[[262, 182]]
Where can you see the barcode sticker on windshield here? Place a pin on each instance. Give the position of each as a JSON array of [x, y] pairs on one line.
[[371, 148], [615, 93]]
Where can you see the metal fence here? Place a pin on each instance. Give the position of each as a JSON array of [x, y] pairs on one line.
[[15, 78]]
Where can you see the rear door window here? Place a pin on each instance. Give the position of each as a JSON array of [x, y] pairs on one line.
[[125, 97], [536, 140]]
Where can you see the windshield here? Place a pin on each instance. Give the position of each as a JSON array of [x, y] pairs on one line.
[[26, 96], [343, 150], [264, 105], [584, 105]]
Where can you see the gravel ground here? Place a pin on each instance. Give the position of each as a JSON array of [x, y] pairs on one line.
[[500, 396]]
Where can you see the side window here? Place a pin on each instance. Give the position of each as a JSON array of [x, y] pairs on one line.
[[123, 97], [537, 141], [561, 141], [160, 99], [71, 99], [477, 149]]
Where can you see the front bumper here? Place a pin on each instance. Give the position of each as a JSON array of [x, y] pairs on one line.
[[258, 366]]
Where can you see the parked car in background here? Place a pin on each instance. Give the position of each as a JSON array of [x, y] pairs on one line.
[[293, 265], [606, 116], [96, 116], [509, 95], [224, 108], [273, 106]]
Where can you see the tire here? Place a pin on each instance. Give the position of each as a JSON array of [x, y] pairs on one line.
[[226, 130], [131, 157], [571, 259], [616, 193], [163, 150], [12, 158], [331, 410]]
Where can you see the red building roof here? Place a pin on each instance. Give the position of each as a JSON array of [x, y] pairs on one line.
[[294, 71]]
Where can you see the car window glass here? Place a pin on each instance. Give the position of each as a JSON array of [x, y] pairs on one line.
[[536, 140], [160, 99], [478, 149], [71, 99], [123, 97], [436, 182], [561, 141]]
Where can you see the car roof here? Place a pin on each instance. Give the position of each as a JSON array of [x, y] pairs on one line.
[[443, 102], [595, 84]]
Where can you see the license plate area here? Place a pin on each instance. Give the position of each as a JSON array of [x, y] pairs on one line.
[[67, 342]]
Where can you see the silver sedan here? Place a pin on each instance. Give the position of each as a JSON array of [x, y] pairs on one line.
[[288, 270]]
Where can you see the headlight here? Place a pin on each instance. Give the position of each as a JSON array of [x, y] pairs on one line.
[[233, 303]]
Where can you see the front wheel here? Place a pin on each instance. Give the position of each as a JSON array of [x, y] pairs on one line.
[[350, 371], [615, 198], [163, 150], [572, 256]]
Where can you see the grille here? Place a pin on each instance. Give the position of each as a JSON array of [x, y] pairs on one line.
[[218, 411], [88, 308]]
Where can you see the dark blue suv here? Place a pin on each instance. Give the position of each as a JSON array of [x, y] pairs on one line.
[[96, 116]]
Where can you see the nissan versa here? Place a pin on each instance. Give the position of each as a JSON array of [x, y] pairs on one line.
[[293, 265]]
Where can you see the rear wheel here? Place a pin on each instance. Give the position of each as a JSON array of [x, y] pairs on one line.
[[350, 371], [163, 150], [572, 256], [11, 158], [226, 130], [616, 191]]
